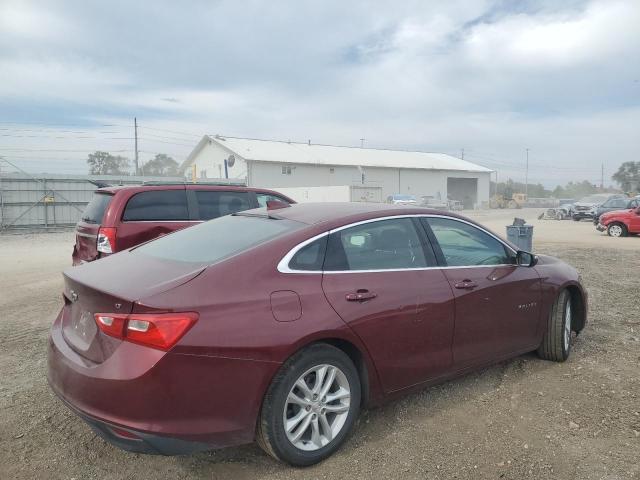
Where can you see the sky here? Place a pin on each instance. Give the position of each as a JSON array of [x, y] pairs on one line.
[[490, 78]]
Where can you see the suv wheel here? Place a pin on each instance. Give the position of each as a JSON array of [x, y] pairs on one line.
[[617, 229], [310, 407]]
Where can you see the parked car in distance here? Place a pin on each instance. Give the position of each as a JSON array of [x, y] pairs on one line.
[[586, 206], [279, 325], [118, 218], [402, 199], [620, 223], [455, 205], [621, 202], [430, 201]]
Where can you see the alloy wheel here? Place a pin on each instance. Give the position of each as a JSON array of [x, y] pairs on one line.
[[317, 407], [567, 326], [615, 230]]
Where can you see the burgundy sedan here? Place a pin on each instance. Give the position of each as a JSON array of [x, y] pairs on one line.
[[278, 325]]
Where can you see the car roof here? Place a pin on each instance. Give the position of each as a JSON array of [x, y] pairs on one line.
[[178, 186], [340, 212]]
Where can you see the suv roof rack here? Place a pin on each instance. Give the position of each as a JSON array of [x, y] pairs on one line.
[[224, 184]]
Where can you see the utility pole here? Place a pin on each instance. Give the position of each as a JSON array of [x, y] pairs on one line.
[[362, 142], [135, 134], [462, 154], [526, 178], [602, 177]]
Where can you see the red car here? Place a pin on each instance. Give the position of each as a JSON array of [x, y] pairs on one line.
[[620, 223], [118, 218], [278, 325]]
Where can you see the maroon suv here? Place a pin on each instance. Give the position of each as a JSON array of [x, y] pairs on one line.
[[118, 218]]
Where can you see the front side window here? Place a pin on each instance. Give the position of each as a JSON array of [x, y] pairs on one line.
[[616, 203], [215, 203], [465, 245], [382, 245], [157, 205]]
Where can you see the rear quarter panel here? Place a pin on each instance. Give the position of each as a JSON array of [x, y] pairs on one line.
[[233, 299]]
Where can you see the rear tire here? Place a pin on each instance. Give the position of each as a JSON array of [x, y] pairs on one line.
[[291, 400], [556, 343], [617, 229]]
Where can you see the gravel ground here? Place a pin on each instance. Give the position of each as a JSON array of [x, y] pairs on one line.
[[525, 418]]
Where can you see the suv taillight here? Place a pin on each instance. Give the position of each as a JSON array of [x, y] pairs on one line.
[[106, 240], [157, 330]]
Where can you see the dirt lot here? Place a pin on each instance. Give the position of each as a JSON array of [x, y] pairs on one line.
[[525, 418]]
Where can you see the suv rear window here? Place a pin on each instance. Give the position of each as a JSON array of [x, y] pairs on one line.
[[218, 239], [214, 204], [157, 205], [95, 209]]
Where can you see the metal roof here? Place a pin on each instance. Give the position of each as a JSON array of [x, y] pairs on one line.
[[291, 152]]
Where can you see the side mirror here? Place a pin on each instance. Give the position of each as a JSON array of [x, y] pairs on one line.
[[526, 259]]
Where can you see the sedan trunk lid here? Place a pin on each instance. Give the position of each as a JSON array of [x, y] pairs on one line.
[[113, 285]]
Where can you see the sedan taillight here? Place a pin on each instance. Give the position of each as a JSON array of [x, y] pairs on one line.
[[157, 330], [106, 240]]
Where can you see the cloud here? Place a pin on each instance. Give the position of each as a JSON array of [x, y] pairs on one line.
[[493, 77]]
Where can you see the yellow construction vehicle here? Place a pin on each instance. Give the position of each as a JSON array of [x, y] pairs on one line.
[[517, 200]]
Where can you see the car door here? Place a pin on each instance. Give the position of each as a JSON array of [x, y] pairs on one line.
[[379, 276], [152, 213], [634, 221], [497, 303]]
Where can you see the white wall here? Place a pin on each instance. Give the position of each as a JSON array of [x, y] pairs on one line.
[[392, 180], [210, 160], [336, 193]]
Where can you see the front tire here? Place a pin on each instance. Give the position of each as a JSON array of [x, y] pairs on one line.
[[617, 229], [556, 343], [310, 406]]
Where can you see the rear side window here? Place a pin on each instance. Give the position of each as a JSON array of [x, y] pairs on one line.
[[214, 241], [383, 245], [94, 211], [214, 204], [158, 205], [310, 257], [263, 198]]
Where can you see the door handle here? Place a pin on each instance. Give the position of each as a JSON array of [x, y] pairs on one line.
[[360, 296], [465, 284]]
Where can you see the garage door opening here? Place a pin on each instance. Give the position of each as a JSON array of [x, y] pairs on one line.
[[464, 190]]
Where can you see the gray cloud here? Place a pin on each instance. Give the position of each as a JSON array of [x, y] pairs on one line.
[[492, 77]]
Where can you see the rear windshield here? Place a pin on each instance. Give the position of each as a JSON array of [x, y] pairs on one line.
[[217, 239], [94, 211]]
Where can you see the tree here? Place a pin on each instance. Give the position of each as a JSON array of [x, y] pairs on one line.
[[628, 176], [103, 163], [162, 164], [575, 190]]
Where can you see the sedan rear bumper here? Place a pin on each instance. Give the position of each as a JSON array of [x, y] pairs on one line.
[[170, 403]]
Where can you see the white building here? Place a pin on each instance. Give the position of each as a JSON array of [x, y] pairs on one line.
[[279, 164]]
